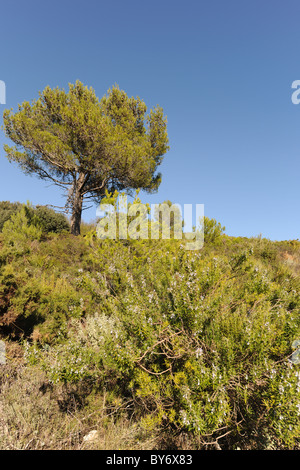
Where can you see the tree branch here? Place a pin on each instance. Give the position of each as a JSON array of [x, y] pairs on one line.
[[55, 181], [97, 188]]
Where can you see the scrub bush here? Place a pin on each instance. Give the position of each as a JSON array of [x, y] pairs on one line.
[[46, 218], [196, 342], [51, 221], [7, 209]]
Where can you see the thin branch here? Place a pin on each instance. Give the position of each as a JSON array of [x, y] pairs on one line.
[[215, 443], [62, 209], [55, 181], [154, 373], [97, 188], [48, 159], [157, 343]]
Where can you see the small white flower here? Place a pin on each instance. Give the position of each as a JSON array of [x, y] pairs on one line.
[[199, 352]]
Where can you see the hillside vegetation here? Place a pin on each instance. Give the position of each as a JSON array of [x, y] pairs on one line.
[[146, 343]]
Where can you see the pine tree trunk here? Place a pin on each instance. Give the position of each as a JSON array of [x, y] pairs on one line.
[[76, 214]]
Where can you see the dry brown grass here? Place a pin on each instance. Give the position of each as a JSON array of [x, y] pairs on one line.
[[292, 259], [35, 416]]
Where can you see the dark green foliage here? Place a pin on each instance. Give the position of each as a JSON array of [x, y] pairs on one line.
[[204, 343], [47, 219], [213, 231], [7, 209], [50, 220]]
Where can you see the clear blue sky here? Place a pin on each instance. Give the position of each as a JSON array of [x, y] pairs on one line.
[[221, 70]]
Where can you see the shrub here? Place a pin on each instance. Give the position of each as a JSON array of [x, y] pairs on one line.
[[42, 216], [51, 221], [7, 209], [18, 231], [213, 231], [196, 342]]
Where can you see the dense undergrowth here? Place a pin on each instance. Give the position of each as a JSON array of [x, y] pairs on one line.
[[152, 345]]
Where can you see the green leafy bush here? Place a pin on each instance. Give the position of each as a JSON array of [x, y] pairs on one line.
[[198, 342], [7, 209], [47, 219], [50, 220], [213, 231], [18, 231]]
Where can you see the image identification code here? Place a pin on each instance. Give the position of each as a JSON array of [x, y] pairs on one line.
[[154, 459]]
